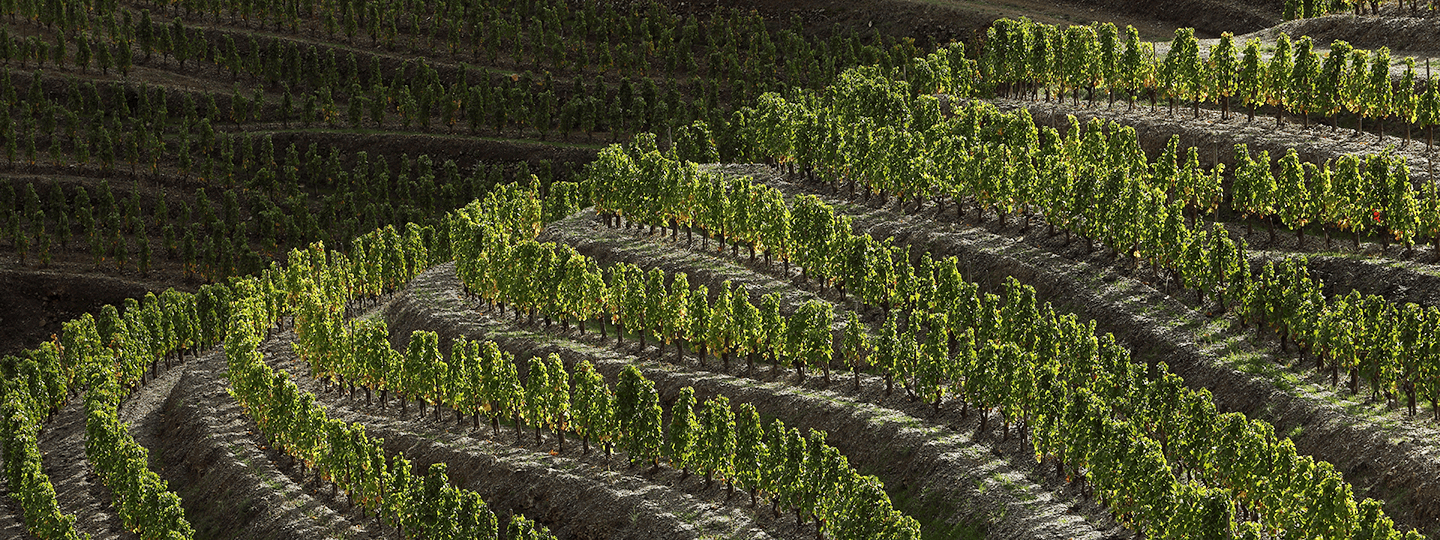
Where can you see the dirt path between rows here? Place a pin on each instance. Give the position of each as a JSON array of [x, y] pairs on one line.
[[936, 470], [1216, 140], [79, 488], [1382, 454], [578, 497], [12, 518], [609, 246], [1405, 36], [1397, 281], [200, 443], [232, 484]]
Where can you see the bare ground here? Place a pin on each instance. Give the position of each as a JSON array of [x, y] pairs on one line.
[[202, 445], [1409, 275], [938, 470], [1208, 17], [1216, 139], [1405, 36], [1381, 453], [940, 21], [576, 496], [219, 474], [79, 488], [34, 303], [12, 518], [232, 484], [1397, 281], [609, 246]]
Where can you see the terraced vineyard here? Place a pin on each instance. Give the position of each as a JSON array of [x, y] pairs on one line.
[[553, 269]]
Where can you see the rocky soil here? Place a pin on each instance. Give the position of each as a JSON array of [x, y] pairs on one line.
[[1383, 454], [1216, 139], [1404, 35], [939, 468], [232, 483], [12, 518], [577, 496]]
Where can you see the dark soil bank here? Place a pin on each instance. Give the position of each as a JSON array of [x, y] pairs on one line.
[[461, 147], [1208, 17], [12, 518], [1397, 281], [33, 305], [1403, 35], [939, 21]]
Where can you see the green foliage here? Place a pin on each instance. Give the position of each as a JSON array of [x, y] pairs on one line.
[[1181, 72], [751, 451], [1303, 78], [593, 405], [718, 442], [637, 413], [522, 528], [684, 431], [1221, 70], [855, 345], [537, 392]]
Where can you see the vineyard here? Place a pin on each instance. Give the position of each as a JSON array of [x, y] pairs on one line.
[[663, 270]]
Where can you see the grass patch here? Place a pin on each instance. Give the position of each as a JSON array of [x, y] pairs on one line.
[[1012, 487], [240, 455], [933, 516], [691, 516]]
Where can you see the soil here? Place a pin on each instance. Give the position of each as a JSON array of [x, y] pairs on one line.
[[1411, 273], [1381, 453], [577, 496], [1207, 17], [203, 447], [1216, 139], [78, 489], [232, 484], [34, 303], [1404, 36], [1397, 281], [464, 149], [938, 468], [609, 246], [12, 517], [939, 21], [1420, 258]]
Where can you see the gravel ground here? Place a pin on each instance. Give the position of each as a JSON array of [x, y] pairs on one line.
[[950, 474], [576, 496], [1381, 453]]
